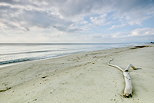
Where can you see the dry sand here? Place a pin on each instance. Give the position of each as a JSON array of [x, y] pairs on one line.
[[80, 78]]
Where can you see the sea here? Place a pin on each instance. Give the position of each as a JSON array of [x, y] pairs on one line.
[[12, 53]]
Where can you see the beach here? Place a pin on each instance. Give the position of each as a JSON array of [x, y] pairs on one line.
[[80, 78]]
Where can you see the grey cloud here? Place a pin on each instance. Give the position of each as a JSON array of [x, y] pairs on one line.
[[76, 7], [67, 29], [7, 1], [69, 10], [21, 2], [43, 19]]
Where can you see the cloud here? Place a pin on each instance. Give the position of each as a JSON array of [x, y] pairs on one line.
[[75, 17], [142, 32], [117, 26]]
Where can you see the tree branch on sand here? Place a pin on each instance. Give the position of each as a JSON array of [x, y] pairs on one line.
[[127, 78]]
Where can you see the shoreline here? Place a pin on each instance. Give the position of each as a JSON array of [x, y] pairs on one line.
[[23, 60], [83, 77]]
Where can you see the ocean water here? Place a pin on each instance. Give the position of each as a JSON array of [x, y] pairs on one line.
[[20, 52]]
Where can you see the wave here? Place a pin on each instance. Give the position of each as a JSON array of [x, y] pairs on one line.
[[35, 58], [15, 61], [40, 51]]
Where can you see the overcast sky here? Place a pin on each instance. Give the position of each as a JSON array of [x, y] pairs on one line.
[[76, 20]]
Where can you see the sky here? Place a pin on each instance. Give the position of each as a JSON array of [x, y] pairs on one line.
[[76, 21]]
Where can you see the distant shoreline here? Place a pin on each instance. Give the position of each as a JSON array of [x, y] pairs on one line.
[[66, 43]]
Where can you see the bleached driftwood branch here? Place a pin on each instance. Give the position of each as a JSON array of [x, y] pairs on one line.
[[128, 83]]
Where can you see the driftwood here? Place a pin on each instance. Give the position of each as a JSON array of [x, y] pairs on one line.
[[128, 84]]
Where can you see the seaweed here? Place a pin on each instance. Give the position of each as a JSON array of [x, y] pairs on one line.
[[44, 76], [137, 47], [3, 90]]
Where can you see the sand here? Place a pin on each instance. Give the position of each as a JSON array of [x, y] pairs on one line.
[[80, 78]]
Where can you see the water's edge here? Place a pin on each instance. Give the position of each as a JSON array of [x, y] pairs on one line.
[[19, 60]]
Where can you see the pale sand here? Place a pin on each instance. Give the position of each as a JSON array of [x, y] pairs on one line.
[[80, 78]]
